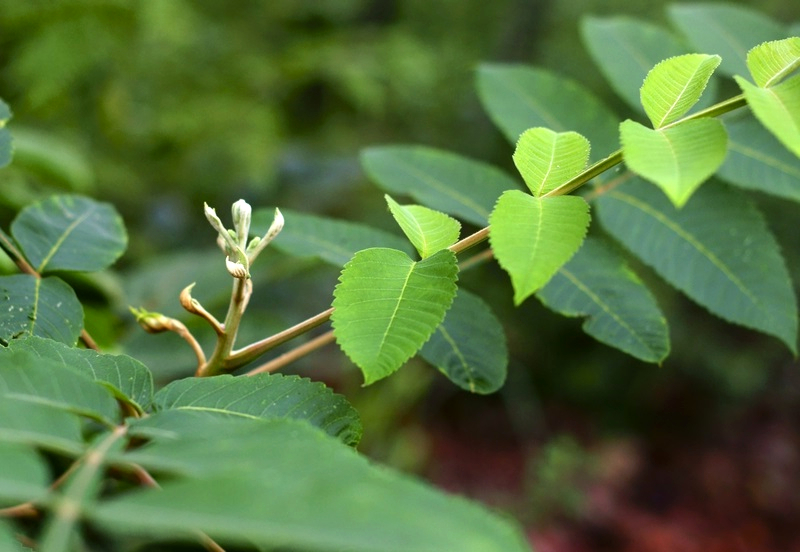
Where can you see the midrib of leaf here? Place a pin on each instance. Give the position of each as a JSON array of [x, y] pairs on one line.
[[675, 164], [396, 308], [464, 364], [786, 111], [67, 231], [549, 167], [674, 103], [421, 234], [437, 185], [766, 159], [691, 241], [36, 289], [215, 410], [603, 306], [782, 73]]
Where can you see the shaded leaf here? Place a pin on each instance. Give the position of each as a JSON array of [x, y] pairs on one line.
[[518, 97], [620, 311], [333, 241], [677, 159], [39, 424], [25, 476], [386, 306], [428, 230], [727, 30], [441, 180], [469, 347], [778, 109], [266, 396], [70, 232], [533, 237], [6, 143], [44, 307], [770, 62], [547, 159], [716, 249]]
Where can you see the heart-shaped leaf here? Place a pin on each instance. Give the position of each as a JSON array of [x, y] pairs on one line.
[[771, 61], [547, 159], [428, 230]]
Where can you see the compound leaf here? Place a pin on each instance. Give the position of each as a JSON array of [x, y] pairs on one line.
[[386, 306], [673, 86], [441, 180], [469, 347], [266, 396], [547, 159], [70, 232], [770, 62], [677, 159], [428, 230], [533, 237], [44, 307], [717, 249], [777, 108], [619, 309]]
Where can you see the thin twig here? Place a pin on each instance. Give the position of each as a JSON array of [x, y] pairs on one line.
[[295, 354]]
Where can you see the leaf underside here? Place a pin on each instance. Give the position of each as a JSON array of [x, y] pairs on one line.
[[777, 108]]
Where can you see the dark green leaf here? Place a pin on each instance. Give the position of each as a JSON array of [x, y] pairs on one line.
[[266, 396], [469, 347], [39, 424], [44, 307], [717, 249], [24, 477], [6, 143]]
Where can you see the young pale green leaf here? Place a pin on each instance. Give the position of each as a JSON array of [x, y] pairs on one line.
[[330, 240], [70, 232], [469, 347], [677, 159], [27, 376], [717, 249], [283, 484], [428, 230], [441, 180], [128, 379], [386, 306], [6, 143], [39, 424], [518, 97], [533, 237], [24, 478], [625, 50], [757, 161], [724, 29], [672, 87], [547, 159], [619, 309], [771, 62], [778, 109], [266, 396], [44, 307]]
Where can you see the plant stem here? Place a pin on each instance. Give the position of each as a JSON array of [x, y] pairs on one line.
[[470, 241], [295, 354], [239, 298]]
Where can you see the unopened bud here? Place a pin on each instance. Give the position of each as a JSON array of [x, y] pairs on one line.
[[153, 322]]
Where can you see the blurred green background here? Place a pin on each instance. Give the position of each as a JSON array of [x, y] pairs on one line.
[[159, 105]]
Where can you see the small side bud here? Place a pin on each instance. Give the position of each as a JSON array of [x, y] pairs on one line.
[[242, 215], [153, 322], [236, 269], [274, 229]]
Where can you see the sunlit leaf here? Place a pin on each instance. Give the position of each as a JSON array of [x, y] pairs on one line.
[[70, 232], [673, 86], [778, 109], [620, 311], [677, 159], [441, 180], [266, 396], [386, 306], [469, 347], [533, 237], [44, 307], [518, 97], [771, 62], [717, 249], [547, 159], [428, 230]]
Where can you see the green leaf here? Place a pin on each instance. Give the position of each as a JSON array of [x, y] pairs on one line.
[[677, 159], [386, 306], [778, 109], [27, 376], [55, 158], [128, 379], [441, 180], [724, 29], [70, 232], [517, 98], [673, 86], [283, 484], [24, 477], [619, 309], [547, 159], [6, 142], [428, 230], [771, 62], [8, 540], [533, 237], [44, 307], [757, 161], [266, 396], [330, 240], [625, 50], [717, 249], [39, 424], [469, 347]]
